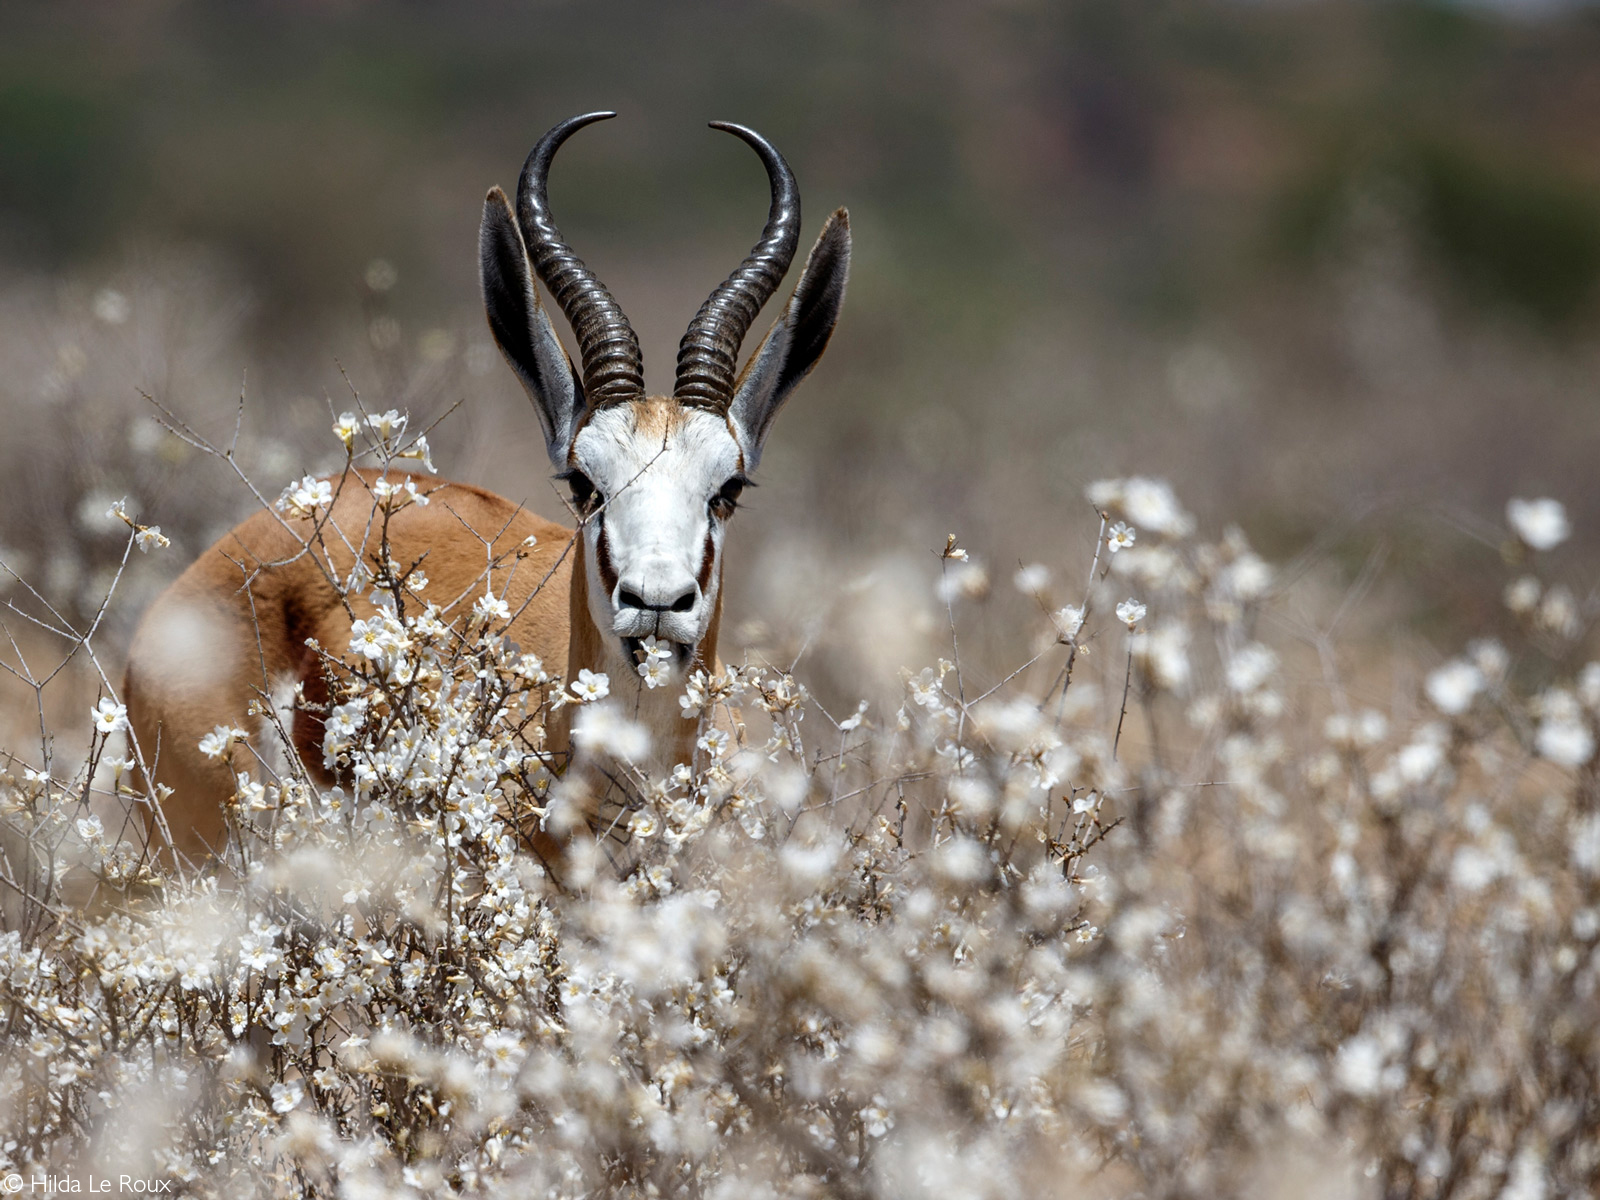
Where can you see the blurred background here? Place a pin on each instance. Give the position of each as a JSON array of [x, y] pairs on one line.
[[1329, 268]]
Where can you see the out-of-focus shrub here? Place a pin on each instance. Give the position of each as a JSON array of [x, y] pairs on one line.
[[1127, 920]]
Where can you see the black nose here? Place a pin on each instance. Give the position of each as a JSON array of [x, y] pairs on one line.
[[631, 599]]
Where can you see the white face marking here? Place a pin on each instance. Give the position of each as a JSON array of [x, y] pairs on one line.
[[654, 546]]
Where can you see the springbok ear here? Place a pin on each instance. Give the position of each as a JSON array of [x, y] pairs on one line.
[[522, 328], [796, 339]]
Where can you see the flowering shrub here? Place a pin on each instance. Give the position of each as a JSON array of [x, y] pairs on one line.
[[1131, 919]]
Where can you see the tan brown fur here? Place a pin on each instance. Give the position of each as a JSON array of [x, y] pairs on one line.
[[212, 644], [243, 639]]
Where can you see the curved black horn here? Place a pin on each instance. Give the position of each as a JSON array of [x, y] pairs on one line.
[[707, 354], [613, 368]]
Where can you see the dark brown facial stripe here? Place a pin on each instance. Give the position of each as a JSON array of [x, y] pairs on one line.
[[608, 573], [708, 562]]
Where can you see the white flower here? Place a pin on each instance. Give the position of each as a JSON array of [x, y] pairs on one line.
[[109, 716], [876, 1120], [1163, 652], [305, 498], [1541, 524], [1564, 741], [654, 673], [345, 428], [695, 697], [148, 536], [1366, 728], [90, 828], [1359, 1066], [591, 686], [925, 689], [1147, 503], [1490, 657], [1251, 667], [387, 425], [1522, 594], [655, 648], [489, 607], [1068, 620], [1247, 577], [1130, 612], [1454, 686], [217, 743], [118, 511], [714, 742], [1032, 579], [852, 723], [419, 450], [1558, 613], [601, 727], [286, 1096], [1120, 537], [1586, 844], [377, 638], [1422, 758]]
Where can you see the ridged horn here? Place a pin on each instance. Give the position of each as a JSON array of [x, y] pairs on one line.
[[613, 367], [709, 350]]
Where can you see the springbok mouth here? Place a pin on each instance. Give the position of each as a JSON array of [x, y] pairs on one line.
[[682, 653]]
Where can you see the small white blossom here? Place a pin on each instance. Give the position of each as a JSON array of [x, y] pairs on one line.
[[109, 716], [1148, 503], [1068, 621], [1453, 687], [591, 686], [1565, 741], [287, 1096], [345, 428], [387, 425], [1359, 1066], [853, 722], [1522, 594], [419, 450], [1540, 524], [150, 537], [489, 607], [601, 727], [1130, 612], [220, 740], [1250, 667], [1032, 579], [714, 742], [306, 498], [695, 696], [1120, 537], [90, 828]]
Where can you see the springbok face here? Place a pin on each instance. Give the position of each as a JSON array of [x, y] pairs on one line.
[[654, 480], [658, 482]]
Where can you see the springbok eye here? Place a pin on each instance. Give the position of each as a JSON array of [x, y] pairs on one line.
[[727, 498], [585, 496]]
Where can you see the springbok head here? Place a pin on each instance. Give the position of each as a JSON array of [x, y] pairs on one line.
[[655, 479]]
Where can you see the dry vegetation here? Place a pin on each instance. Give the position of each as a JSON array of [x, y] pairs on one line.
[[1246, 890], [1128, 920]]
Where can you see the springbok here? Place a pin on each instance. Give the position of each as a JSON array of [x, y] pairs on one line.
[[654, 481]]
